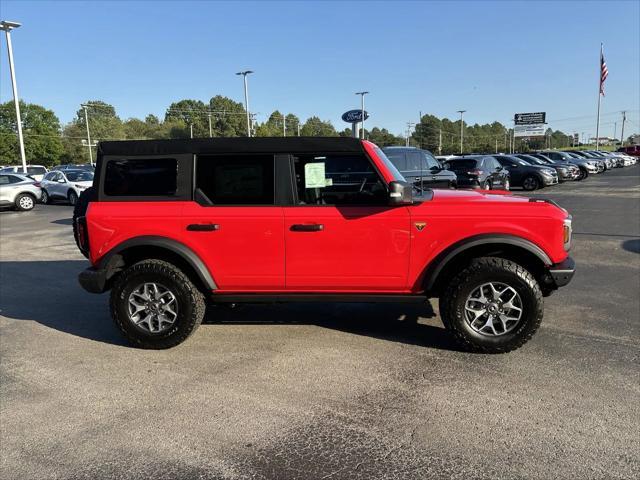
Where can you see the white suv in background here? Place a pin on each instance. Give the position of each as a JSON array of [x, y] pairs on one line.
[[37, 172], [68, 185], [19, 191]]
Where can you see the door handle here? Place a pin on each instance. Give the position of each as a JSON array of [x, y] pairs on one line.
[[203, 227], [307, 228]]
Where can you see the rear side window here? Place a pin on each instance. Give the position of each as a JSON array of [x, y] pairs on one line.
[[141, 177], [397, 158], [236, 179], [36, 170], [413, 161]]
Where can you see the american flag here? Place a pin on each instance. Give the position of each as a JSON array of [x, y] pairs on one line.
[[604, 72]]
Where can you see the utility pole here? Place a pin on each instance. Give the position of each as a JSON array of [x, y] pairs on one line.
[[7, 27], [86, 122], [409, 125], [440, 142], [210, 131], [284, 126], [461, 112], [298, 128], [624, 118], [496, 144], [246, 98], [362, 94], [191, 129]]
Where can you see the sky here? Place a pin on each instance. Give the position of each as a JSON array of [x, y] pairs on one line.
[[492, 59]]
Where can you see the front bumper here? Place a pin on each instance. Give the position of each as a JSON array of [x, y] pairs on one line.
[[93, 280], [549, 180], [562, 272]]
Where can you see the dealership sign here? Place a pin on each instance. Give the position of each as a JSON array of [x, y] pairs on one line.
[[528, 131], [354, 116], [535, 118]]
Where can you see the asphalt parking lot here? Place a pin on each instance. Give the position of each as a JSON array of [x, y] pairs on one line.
[[323, 391]]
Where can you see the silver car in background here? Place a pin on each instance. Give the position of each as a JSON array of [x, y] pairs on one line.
[[36, 172], [65, 185], [19, 191]]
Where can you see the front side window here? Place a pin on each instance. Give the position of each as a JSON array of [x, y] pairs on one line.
[[432, 163], [133, 177], [338, 179], [413, 161], [80, 176], [236, 179]]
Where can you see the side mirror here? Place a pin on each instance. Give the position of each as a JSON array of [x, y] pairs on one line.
[[400, 193]]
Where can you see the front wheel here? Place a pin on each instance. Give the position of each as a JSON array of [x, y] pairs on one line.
[[507, 184], [72, 197], [25, 202], [531, 183], [487, 185], [45, 197], [492, 306], [155, 305]]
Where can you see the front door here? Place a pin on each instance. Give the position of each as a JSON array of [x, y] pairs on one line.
[[234, 224], [341, 236]]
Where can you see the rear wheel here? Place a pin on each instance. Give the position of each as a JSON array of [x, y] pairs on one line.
[[25, 202], [531, 183], [155, 305], [492, 306]]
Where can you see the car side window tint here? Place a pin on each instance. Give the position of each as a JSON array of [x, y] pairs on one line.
[[237, 179], [338, 179], [4, 180], [414, 160], [431, 160], [398, 158], [140, 177]]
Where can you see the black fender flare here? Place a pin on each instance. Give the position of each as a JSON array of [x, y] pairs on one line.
[[112, 258], [436, 266]]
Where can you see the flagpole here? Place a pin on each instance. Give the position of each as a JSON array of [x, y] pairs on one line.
[[599, 98]]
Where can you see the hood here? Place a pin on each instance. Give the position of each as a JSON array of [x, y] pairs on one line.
[[466, 196]]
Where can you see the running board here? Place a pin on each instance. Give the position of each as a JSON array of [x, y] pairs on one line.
[[316, 297]]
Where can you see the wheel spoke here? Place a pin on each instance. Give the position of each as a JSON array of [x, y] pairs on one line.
[[493, 309], [152, 307]]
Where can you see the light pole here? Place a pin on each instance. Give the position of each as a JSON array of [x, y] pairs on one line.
[[362, 94], [246, 98], [86, 122], [7, 27], [461, 112]]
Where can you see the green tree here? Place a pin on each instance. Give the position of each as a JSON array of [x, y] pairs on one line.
[[191, 113], [272, 127], [382, 137], [314, 127], [228, 118], [41, 130]]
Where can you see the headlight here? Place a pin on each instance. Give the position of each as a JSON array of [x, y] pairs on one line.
[[548, 172], [566, 233], [80, 187]]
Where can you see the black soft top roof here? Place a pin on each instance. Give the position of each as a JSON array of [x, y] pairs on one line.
[[231, 145]]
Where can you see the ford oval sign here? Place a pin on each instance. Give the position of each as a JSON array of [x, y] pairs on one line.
[[354, 116]]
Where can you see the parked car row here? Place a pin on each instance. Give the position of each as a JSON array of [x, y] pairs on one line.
[[529, 171], [23, 191]]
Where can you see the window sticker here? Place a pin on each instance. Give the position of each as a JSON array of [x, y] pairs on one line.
[[314, 175]]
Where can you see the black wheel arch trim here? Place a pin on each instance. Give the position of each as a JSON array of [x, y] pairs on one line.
[[112, 258], [437, 265]]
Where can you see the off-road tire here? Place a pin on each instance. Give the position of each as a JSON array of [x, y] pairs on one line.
[[80, 210], [491, 269], [191, 304], [21, 202]]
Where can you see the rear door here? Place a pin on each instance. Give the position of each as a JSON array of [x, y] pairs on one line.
[[234, 223], [341, 236], [5, 188]]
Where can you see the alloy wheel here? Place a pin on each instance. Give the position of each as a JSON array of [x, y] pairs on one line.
[[530, 183], [152, 307], [26, 202], [493, 309], [45, 196]]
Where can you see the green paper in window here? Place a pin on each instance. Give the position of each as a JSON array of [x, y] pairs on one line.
[[314, 175]]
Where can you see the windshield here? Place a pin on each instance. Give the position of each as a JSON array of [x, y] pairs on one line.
[[36, 170], [390, 166], [79, 176]]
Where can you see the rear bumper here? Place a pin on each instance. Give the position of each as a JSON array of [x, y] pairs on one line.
[[562, 272], [93, 280]]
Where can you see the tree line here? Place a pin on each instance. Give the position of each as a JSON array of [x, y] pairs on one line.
[[48, 142]]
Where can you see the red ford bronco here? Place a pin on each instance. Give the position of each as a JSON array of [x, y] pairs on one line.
[[171, 224]]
